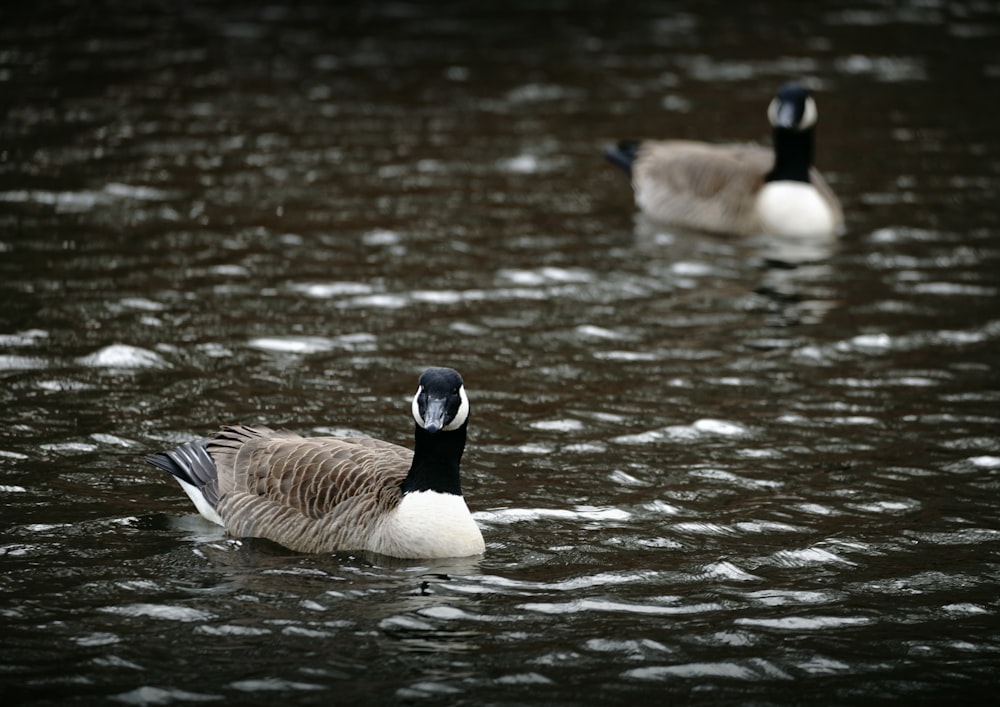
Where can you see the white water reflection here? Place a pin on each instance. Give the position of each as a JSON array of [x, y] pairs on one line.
[[118, 356]]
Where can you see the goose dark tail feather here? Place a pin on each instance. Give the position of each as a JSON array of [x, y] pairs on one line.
[[188, 462], [192, 465], [623, 155], [162, 460]]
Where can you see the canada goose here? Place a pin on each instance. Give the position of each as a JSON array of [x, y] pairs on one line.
[[738, 189], [326, 494]]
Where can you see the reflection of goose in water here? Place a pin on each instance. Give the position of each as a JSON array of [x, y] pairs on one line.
[[738, 189], [789, 276], [324, 494]]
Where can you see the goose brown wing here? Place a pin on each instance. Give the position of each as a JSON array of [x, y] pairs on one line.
[[700, 185], [307, 476], [703, 171]]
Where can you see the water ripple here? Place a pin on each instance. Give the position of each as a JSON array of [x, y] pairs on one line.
[[148, 695], [159, 611], [603, 605], [123, 356], [258, 685], [699, 671], [806, 557], [805, 623], [520, 515], [693, 431], [305, 345]]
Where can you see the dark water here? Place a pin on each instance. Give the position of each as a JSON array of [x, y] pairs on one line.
[[708, 470]]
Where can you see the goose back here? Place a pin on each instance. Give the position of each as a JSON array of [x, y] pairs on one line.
[[312, 494], [698, 185]]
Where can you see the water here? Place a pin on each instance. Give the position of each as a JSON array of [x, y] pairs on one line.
[[708, 470]]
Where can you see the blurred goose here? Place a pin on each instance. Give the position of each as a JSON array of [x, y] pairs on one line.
[[324, 494], [738, 189]]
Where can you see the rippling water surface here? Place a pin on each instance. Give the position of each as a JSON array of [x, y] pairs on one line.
[[708, 470]]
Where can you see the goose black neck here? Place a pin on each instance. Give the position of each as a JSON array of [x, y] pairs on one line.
[[436, 460], [793, 155]]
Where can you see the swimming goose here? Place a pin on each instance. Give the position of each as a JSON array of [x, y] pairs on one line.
[[738, 189], [327, 494]]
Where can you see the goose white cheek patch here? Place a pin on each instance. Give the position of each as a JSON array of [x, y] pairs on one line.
[[415, 407], [810, 115], [460, 417], [463, 412]]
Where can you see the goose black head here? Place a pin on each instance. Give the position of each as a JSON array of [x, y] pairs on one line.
[[440, 403], [793, 108]]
